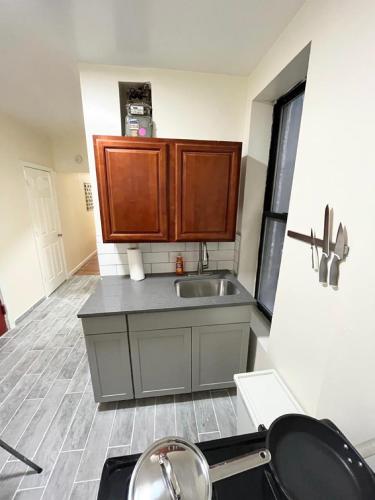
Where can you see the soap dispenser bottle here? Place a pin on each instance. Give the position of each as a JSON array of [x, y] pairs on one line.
[[179, 264]]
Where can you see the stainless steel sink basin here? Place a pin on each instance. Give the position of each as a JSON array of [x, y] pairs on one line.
[[205, 287]]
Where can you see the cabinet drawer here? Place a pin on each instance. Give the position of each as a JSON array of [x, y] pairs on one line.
[[104, 324], [218, 352], [189, 317], [109, 361], [161, 361]]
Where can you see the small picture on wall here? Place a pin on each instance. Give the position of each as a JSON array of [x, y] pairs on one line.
[[88, 196]]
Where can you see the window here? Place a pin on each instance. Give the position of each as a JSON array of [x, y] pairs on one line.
[[284, 140]]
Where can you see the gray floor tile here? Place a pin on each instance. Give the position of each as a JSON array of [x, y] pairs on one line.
[[185, 417], [17, 426], [10, 361], [33, 494], [165, 417], [208, 436], [13, 377], [80, 377], [72, 362], [87, 490], [80, 427], [3, 342], [49, 375], [61, 481], [30, 440], [96, 449], [204, 412], [38, 427], [52, 441], [11, 476], [118, 451], [224, 412], [15, 398], [143, 434], [123, 425], [3, 356], [40, 364]]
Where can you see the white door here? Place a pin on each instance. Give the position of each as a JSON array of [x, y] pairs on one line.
[[46, 227]]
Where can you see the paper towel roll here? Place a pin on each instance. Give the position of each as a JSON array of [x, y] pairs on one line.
[[135, 264]]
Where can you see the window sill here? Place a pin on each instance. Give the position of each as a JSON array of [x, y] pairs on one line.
[[261, 327]]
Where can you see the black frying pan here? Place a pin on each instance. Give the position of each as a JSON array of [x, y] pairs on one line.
[[312, 461]]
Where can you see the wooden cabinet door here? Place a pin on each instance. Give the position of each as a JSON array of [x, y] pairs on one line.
[[206, 190], [218, 352], [133, 189], [161, 361], [109, 360]]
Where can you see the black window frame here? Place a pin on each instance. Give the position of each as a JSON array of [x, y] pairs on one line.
[[270, 181]]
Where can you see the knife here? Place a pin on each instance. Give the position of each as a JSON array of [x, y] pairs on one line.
[[316, 268], [338, 256], [323, 268], [312, 249]]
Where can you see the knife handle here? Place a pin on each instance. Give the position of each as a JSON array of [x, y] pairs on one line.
[[334, 271], [323, 269]]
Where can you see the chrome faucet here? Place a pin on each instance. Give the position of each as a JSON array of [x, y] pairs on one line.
[[203, 260]]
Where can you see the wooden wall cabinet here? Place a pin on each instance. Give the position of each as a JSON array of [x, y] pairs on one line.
[[167, 189]]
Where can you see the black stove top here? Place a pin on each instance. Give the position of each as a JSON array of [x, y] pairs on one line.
[[256, 484]]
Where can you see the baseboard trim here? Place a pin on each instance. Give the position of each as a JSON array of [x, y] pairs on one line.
[[81, 264], [23, 316]]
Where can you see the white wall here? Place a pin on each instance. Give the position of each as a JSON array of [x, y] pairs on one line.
[[323, 341], [20, 279], [185, 105], [77, 223]]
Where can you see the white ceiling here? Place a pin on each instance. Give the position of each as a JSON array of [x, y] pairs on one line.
[[41, 42]]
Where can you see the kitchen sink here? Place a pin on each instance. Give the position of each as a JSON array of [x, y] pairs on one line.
[[205, 287]]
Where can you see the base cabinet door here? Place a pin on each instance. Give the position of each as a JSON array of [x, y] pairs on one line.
[[109, 361], [218, 352], [161, 361]]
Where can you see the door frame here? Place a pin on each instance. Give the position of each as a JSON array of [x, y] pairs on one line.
[[35, 166], [7, 322]]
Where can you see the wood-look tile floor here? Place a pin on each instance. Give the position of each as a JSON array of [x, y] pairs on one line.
[[47, 410], [90, 268]]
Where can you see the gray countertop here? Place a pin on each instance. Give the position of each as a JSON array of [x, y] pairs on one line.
[[121, 295]]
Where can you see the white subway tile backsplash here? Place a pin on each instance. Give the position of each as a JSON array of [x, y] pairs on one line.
[[226, 245], [147, 268], [221, 255], [108, 270], [145, 247], [151, 258], [225, 264], [212, 245], [113, 247], [163, 267], [187, 256], [192, 245], [192, 266], [168, 247], [161, 257], [107, 259], [122, 269]]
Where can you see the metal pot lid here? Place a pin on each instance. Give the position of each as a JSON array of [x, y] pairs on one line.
[[170, 468]]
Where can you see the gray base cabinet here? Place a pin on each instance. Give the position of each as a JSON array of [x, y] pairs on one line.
[[218, 352], [151, 354], [161, 361], [109, 361]]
